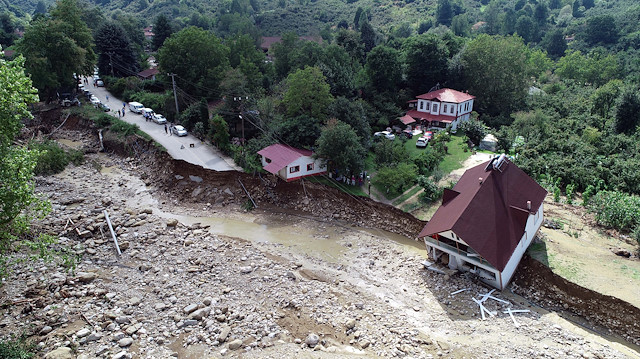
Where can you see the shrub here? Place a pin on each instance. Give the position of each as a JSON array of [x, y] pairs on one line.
[[17, 348], [616, 209], [431, 190], [52, 158], [123, 128]]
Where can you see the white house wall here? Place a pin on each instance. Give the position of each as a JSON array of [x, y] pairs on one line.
[[318, 167], [533, 224]]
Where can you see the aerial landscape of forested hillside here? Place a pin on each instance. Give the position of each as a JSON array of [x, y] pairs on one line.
[[555, 81], [553, 85]]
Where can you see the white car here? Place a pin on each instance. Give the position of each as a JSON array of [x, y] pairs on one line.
[[94, 100], [422, 142], [158, 118], [388, 135], [178, 130]]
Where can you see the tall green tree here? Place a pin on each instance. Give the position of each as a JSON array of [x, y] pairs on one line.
[[115, 54], [340, 146], [627, 115], [162, 29], [495, 69], [553, 41], [198, 58], [444, 12], [18, 201], [384, 69], [426, 61], [367, 36], [601, 29], [340, 70], [57, 47], [307, 94]]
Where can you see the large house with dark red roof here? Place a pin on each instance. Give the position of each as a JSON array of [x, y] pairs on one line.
[[487, 221], [291, 163], [440, 108]]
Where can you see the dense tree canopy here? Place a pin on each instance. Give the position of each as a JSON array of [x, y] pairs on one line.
[[198, 58], [426, 62], [307, 94], [115, 54], [162, 29], [496, 72], [57, 47], [340, 145]]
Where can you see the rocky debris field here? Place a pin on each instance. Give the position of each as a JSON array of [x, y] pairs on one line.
[[182, 291]]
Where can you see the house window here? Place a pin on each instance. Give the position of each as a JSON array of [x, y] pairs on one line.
[[435, 107], [444, 108], [294, 169], [310, 167], [428, 104], [421, 105], [452, 109], [267, 160]]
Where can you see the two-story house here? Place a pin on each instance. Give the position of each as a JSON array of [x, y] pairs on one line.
[[440, 108], [487, 221]]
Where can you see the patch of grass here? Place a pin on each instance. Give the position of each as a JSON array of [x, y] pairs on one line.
[[52, 158], [455, 155], [352, 190], [410, 207], [17, 348], [408, 194]]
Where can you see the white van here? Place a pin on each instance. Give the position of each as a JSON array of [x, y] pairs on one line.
[[136, 107], [147, 113]]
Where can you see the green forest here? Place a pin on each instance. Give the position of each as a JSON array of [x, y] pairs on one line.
[[555, 80]]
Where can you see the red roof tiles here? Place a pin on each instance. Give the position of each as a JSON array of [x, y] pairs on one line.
[[446, 95], [487, 210], [429, 117], [281, 155]]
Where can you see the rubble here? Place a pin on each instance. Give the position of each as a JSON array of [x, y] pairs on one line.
[[182, 290]]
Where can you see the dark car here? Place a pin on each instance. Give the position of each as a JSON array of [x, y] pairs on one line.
[[104, 107]]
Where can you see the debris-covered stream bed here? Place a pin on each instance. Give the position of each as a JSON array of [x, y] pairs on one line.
[[200, 277]]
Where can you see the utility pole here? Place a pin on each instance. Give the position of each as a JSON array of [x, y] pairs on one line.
[[175, 97], [239, 99], [110, 54]]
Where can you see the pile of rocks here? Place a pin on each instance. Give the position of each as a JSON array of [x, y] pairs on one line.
[[181, 291]]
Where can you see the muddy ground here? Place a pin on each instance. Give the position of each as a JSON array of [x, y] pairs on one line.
[[370, 297]]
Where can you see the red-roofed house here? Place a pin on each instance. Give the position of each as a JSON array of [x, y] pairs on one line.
[[487, 221], [437, 109], [148, 74], [291, 163], [148, 32]]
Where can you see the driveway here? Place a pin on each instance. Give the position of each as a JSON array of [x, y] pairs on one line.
[[187, 148]]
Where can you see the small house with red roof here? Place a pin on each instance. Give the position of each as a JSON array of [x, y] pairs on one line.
[[440, 108], [291, 163], [487, 221], [148, 32], [148, 74]]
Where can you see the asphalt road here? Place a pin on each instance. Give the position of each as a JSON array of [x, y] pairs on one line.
[[187, 148]]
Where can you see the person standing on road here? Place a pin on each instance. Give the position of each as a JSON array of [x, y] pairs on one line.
[[107, 98], [165, 129]]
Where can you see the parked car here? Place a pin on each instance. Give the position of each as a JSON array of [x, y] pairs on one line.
[[428, 135], [104, 107], [388, 135], [99, 83], [136, 107], [422, 142], [147, 113], [178, 130], [94, 101], [158, 118]]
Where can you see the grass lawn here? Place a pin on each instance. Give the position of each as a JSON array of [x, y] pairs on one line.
[[407, 195], [455, 156], [352, 190]]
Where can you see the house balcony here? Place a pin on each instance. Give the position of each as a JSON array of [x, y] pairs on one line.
[[454, 249]]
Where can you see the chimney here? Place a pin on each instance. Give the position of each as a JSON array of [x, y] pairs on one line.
[[529, 205]]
